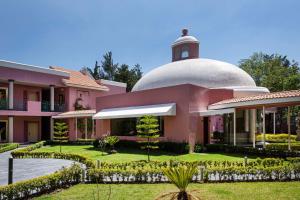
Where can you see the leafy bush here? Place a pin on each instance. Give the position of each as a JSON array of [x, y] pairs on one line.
[[214, 171], [283, 137], [111, 141], [251, 151], [8, 146], [198, 148], [283, 146], [25, 189]]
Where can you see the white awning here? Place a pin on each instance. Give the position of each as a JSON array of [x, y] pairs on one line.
[[76, 113], [216, 112], [137, 111]]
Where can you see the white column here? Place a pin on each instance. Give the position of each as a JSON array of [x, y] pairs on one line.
[[51, 128], [253, 126], [10, 128], [274, 122], [11, 94], [76, 132], [85, 131], [246, 120], [264, 126], [51, 97], [93, 127], [289, 127], [234, 127]]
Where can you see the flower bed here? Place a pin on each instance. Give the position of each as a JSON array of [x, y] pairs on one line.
[[25, 189], [8, 146]]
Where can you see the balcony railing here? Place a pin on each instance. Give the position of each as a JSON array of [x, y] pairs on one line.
[[57, 107], [18, 105], [3, 104]]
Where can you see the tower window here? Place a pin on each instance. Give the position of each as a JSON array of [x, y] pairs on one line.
[[185, 52]]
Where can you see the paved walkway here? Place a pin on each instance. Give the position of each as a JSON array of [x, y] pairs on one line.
[[29, 168]]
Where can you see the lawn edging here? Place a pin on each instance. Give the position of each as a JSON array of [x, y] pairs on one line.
[[27, 152], [8, 146], [63, 178]]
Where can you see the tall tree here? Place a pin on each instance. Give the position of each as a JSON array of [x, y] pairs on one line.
[[95, 72], [108, 66], [115, 72], [60, 133], [274, 71], [147, 129], [129, 76]]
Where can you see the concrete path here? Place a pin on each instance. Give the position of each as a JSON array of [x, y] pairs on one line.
[[29, 168]]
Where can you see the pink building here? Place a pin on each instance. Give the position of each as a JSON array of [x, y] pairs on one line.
[[189, 98], [196, 100], [30, 96]]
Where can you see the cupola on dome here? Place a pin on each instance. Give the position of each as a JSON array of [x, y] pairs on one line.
[[188, 68]]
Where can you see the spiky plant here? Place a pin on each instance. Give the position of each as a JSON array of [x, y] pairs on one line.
[[180, 176]]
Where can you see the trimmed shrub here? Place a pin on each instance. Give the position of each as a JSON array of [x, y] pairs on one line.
[[251, 151], [214, 171], [283, 146], [63, 178], [8, 146], [270, 137]]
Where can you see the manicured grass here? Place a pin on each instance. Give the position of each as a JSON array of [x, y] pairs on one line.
[[239, 191], [126, 155]]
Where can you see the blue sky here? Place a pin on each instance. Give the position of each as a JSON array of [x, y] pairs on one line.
[[74, 33]]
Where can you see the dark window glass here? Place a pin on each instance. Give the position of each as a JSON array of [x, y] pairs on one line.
[[127, 127]]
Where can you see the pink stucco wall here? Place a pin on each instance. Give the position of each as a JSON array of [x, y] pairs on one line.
[[24, 76], [20, 132], [89, 96], [185, 126]]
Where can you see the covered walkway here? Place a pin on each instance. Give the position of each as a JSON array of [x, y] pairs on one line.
[[244, 117]]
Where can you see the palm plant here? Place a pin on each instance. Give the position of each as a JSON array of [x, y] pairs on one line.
[[181, 177]]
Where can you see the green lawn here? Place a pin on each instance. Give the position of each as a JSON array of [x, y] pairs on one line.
[[126, 155], [239, 191]]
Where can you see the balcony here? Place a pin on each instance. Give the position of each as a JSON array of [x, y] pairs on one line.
[[3, 104], [45, 107], [18, 105]]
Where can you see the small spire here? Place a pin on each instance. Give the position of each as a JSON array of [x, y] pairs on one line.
[[184, 32]]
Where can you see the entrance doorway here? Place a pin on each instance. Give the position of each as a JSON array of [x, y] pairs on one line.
[[32, 131], [206, 129]]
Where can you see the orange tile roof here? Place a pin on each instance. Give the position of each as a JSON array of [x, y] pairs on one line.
[[273, 95], [78, 79]]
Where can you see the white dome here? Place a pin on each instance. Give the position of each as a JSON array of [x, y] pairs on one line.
[[185, 39], [202, 72]]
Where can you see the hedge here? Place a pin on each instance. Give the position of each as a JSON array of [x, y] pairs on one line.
[[63, 178], [8, 146], [270, 137], [283, 146], [27, 153], [251, 151], [212, 171]]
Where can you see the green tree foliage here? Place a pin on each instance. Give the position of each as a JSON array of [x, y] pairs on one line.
[[147, 129], [115, 72], [277, 73], [181, 177], [274, 71], [60, 133]]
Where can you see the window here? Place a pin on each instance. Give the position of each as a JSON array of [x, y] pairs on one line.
[[127, 127], [185, 52]]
